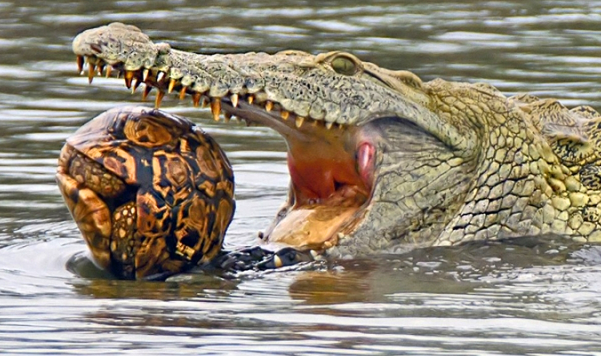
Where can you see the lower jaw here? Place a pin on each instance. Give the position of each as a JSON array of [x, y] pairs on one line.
[[318, 225], [312, 228]]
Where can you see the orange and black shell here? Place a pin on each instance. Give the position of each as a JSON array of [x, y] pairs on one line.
[[151, 192]]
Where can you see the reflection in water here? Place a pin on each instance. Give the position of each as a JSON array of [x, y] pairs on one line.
[[502, 299]]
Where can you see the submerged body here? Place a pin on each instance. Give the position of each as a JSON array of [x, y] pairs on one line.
[[378, 159]]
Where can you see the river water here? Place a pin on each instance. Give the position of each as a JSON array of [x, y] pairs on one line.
[[540, 299]]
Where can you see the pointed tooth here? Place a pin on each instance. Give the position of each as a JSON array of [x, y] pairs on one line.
[[145, 74], [227, 116], [204, 102], [80, 61], [299, 121], [158, 99], [182, 93], [129, 75], [172, 83], [91, 70], [268, 105], [147, 89], [250, 98], [101, 68], [284, 114], [135, 85], [216, 108], [329, 125], [109, 69], [196, 99], [314, 123], [277, 261], [234, 99], [160, 76]]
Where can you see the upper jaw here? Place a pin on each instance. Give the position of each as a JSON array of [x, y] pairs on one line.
[[299, 83]]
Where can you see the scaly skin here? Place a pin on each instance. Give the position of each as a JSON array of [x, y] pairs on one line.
[[436, 163]]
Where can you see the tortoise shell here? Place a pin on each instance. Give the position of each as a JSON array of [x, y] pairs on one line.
[[151, 192]]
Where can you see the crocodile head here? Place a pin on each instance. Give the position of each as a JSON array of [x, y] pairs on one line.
[[376, 157]]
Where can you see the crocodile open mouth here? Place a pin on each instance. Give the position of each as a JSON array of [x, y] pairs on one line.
[[332, 165]]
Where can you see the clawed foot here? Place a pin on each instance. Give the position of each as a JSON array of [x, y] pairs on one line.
[[256, 258]]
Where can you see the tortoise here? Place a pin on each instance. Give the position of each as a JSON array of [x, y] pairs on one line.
[[151, 192]]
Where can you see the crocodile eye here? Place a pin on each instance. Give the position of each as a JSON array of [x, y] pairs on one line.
[[344, 65]]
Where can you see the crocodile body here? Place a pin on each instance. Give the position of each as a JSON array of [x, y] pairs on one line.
[[379, 159]]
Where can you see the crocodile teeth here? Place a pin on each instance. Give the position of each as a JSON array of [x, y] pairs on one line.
[[160, 76], [146, 91], [109, 69], [91, 70], [299, 121], [329, 125], [101, 68], [234, 99], [196, 99], [158, 99], [268, 105], [250, 98], [79, 61], [135, 85], [216, 108], [182, 93], [145, 74], [129, 75], [226, 117], [277, 261], [171, 85], [284, 114]]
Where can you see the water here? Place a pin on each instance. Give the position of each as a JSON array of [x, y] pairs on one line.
[[501, 300]]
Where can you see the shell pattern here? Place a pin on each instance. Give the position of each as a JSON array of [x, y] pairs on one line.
[[151, 192]]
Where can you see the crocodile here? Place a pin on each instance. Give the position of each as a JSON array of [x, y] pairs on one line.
[[380, 160]]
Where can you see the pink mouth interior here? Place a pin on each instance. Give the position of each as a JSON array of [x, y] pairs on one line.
[[332, 177]]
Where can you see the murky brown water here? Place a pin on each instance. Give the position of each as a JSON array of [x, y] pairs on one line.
[[503, 300]]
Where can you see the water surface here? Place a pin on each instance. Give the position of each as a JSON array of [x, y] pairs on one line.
[[501, 300]]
